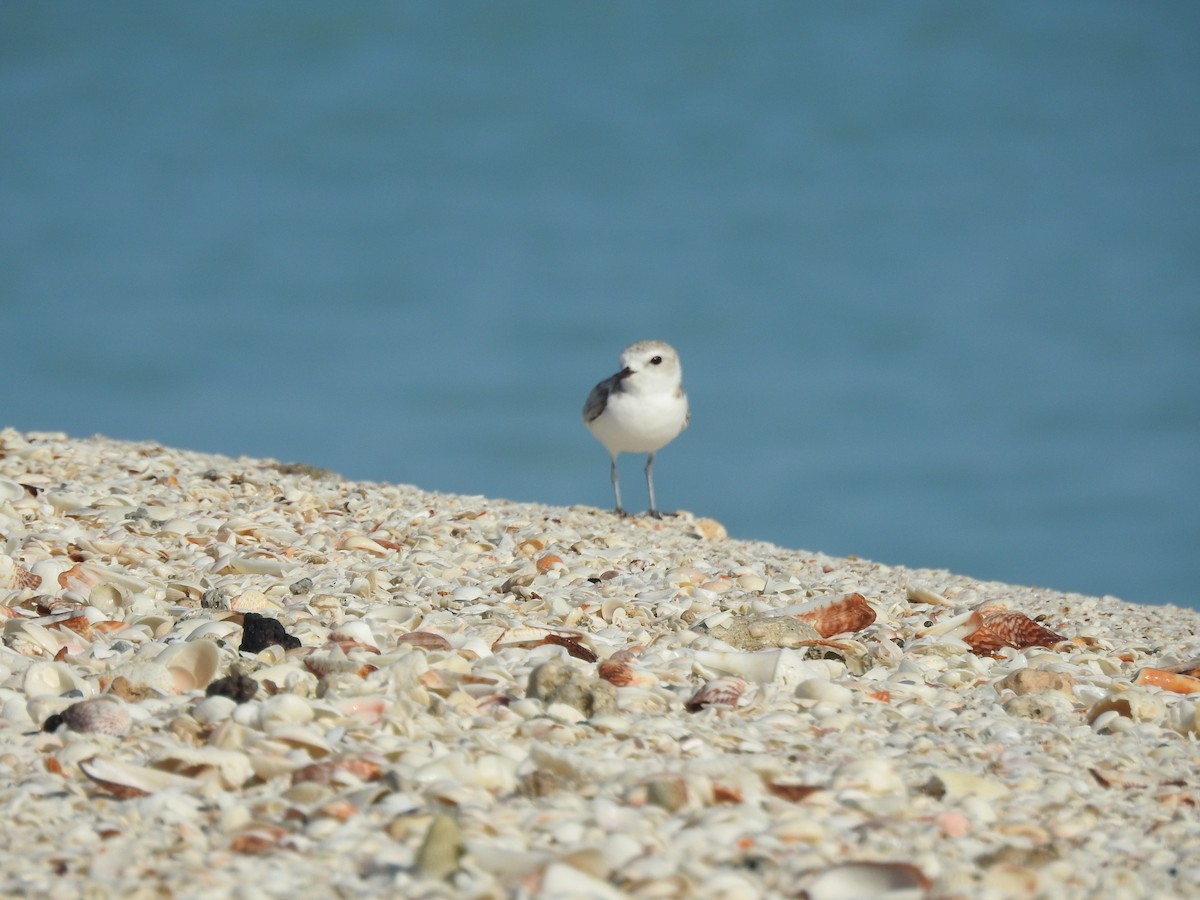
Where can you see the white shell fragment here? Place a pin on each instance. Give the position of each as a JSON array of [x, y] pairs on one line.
[[225, 677]]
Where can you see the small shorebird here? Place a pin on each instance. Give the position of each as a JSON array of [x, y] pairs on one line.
[[640, 409]]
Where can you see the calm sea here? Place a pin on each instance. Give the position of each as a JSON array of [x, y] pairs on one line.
[[933, 268]]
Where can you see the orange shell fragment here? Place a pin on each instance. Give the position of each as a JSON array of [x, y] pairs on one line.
[[328, 771], [1176, 682], [1008, 628], [839, 616], [616, 671]]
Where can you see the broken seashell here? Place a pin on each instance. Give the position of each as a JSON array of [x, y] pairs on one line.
[[793, 793], [917, 593], [231, 767], [108, 596], [332, 661], [366, 709], [726, 691], [24, 580], [878, 880], [255, 841], [284, 709], [1138, 705], [1176, 682], [837, 615], [48, 571], [426, 640], [616, 671], [522, 636], [710, 530], [253, 601], [366, 544], [137, 680], [786, 667], [346, 770], [192, 664], [572, 645], [10, 490], [31, 639], [53, 679], [124, 780]]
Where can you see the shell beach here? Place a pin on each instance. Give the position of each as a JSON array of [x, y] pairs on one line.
[[237, 677]]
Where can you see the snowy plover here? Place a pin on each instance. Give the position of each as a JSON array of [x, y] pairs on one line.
[[640, 409]]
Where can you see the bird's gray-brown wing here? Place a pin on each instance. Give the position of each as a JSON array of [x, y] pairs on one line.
[[598, 399]]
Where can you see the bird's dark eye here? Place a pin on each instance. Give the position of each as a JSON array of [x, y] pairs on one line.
[[656, 360]]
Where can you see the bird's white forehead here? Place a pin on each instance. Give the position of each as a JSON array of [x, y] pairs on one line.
[[645, 349]]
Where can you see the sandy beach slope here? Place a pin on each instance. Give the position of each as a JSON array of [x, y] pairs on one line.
[[236, 677]]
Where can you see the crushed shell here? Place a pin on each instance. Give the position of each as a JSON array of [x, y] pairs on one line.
[[496, 699]]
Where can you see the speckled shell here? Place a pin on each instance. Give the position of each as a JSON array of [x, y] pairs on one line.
[[100, 715], [717, 692], [1008, 628]]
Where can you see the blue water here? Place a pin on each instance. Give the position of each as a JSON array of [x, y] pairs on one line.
[[933, 269]]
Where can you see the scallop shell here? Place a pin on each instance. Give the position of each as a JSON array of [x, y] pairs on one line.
[[837, 615], [24, 580], [100, 715], [253, 601], [725, 691]]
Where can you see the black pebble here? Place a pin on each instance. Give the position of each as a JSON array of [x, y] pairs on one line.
[[52, 723], [238, 688], [260, 632]]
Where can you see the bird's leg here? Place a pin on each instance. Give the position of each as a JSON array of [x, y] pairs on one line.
[[616, 480], [654, 513]]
